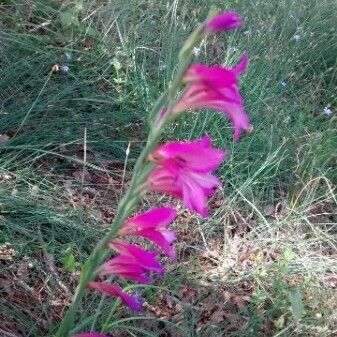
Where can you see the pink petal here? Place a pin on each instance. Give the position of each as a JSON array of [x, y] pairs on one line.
[[127, 267], [182, 171], [168, 235], [156, 217], [190, 154], [145, 259], [218, 76], [243, 64], [237, 116], [206, 181], [139, 278], [196, 188], [195, 199], [226, 100], [162, 180], [116, 291], [222, 22], [162, 239]]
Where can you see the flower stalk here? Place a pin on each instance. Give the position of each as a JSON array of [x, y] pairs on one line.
[[175, 168], [100, 253], [140, 173]]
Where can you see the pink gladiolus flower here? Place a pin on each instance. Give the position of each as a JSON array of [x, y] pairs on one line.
[[90, 334], [127, 267], [115, 291], [216, 88], [222, 22], [184, 171], [152, 225], [140, 256]]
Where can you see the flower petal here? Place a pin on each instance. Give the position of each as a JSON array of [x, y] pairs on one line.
[[162, 239], [194, 197], [190, 154], [156, 217], [222, 22], [115, 291], [163, 180], [242, 65], [219, 76], [127, 267], [145, 259]]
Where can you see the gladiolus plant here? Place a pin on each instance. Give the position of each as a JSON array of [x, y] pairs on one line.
[[181, 169]]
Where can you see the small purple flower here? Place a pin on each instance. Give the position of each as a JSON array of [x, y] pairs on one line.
[[64, 69]]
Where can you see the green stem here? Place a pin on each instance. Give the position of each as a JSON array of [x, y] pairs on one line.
[[100, 253]]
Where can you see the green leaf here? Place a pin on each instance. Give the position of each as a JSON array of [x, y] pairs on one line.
[[68, 260]]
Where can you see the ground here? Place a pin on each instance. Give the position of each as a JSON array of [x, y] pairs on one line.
[[264, 263]]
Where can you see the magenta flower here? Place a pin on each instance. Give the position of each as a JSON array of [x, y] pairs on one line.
[[223, 21], [134, 263], [216, 88], [184, 171], [90, 334], [152, 225], [126, 267], [140, 256], [115, 291]]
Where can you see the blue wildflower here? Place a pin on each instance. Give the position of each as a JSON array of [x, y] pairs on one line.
[[64, 69]]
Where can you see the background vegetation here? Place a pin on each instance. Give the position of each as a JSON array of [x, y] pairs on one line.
[[264, 264]]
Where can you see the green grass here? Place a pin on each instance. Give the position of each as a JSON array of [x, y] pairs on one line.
[[264, 263]]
